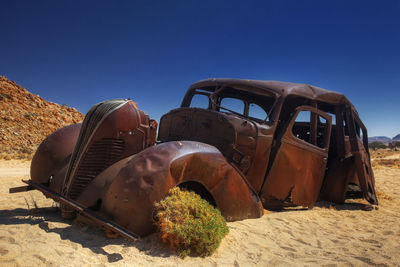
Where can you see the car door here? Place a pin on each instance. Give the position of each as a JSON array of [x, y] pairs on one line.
[[298, 169], [359, 148]]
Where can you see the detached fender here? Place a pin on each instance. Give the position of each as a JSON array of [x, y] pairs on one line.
[[51, 159], [131, 186]]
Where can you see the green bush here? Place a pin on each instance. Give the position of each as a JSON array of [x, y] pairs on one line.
[[189, 224]]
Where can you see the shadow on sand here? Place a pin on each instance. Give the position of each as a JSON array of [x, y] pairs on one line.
[[325, 204], [89, 237], [345, 206]]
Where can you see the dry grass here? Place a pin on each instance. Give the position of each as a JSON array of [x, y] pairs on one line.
[[33, 207], [382, 162], [383, 195], [382, 153], [385, 158]]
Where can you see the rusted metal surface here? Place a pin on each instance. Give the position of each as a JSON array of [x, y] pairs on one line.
[[240, 156], [359, 149], [112, 130], [147, 176], [49, 163], [298, 169], [118, 129], [244, 143], [77, 207], [264, 154]]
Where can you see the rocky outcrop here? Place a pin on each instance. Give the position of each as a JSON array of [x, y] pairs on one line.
[[26, 119]]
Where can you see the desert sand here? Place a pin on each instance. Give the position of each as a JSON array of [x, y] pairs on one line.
[[32, 233]]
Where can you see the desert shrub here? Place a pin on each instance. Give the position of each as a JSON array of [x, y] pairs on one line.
[[394, 144], [189, 224], [30, 115], [377, 145], [4, 96]]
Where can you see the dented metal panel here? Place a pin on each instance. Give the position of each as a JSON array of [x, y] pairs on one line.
[[298, 170], [359, 148], [146, 177], [49, 163], [347, 163], [118, 129], [245, 144]]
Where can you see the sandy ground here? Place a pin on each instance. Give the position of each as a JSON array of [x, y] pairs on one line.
[[344, 235]]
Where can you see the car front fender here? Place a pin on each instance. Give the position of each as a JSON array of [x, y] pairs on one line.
[[51, 159], [129, 188]]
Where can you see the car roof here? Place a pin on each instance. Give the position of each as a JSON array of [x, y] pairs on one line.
[[280, 88]]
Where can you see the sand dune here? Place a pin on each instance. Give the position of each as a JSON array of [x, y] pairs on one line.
[[342, 235]]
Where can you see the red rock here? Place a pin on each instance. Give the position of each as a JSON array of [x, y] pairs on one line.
[[26, 119]]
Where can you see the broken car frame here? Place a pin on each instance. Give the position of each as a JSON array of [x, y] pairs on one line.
[[241, 144]]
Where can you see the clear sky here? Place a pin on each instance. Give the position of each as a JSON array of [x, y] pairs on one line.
[[83, 52]]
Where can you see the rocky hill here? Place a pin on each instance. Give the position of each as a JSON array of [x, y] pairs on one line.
[[26, 119]]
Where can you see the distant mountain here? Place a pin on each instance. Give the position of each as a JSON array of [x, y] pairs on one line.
[[382, 139], [396, 138]]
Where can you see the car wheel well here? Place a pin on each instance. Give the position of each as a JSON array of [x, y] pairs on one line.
[[199, 189]]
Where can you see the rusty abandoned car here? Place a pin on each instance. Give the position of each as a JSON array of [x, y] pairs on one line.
[[240, 144]]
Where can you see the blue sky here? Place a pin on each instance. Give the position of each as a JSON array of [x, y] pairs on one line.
[[83, 52]]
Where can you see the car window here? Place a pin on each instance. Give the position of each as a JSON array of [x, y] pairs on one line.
[[302, 128], [333, 116], [257, 112], [232, 104], [199, 101]]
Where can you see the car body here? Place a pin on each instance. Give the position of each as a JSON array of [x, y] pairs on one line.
[[243, 145], [307, 142]]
